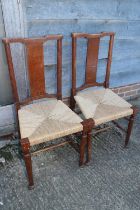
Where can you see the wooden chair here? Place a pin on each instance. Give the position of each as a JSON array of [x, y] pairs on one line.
[[43, 121], [100, 104]]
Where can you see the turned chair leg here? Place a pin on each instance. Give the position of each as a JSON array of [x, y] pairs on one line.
[[130, 126], [25, 146], [83, 144]]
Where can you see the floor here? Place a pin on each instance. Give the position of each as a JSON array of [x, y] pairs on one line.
[[110, 182]]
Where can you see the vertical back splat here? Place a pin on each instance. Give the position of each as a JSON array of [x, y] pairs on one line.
[[35, 61], [92, 60]]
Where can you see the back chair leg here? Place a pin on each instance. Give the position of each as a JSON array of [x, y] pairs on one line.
[[83, 144], [72, 102], [89, 146], [130, 126], [25, 146]]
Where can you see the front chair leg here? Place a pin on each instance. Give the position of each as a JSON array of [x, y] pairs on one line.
[[130, 125], [88, 124], [25, 146]]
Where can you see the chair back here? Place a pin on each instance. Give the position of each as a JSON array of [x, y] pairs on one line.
[[34, 48], [93, 44]]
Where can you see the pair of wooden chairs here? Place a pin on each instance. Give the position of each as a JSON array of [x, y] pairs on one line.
[[45, 120]]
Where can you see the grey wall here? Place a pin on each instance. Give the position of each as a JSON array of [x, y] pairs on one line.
[[92, 16], [5, 87]]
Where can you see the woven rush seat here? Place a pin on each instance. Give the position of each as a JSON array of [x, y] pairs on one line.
[[103, 105], [47, 120]]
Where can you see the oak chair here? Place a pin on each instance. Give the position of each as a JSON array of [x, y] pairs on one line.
[[43, 120], [100, 104]]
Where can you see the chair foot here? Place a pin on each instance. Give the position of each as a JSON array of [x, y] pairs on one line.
[[130, 126], [31, 187], [87, 163], [125, 146], [25, 146], [81, 164]]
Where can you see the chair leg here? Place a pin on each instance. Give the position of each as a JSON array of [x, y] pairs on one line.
[[89, 146], [130, 126], [25, 146], [88, 124], [72, 102], [83, 144]]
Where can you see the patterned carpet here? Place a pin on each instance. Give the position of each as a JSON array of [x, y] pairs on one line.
[[110, 182]]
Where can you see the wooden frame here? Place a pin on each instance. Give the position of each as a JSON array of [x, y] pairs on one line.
[[91, 71], [34, 48]]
